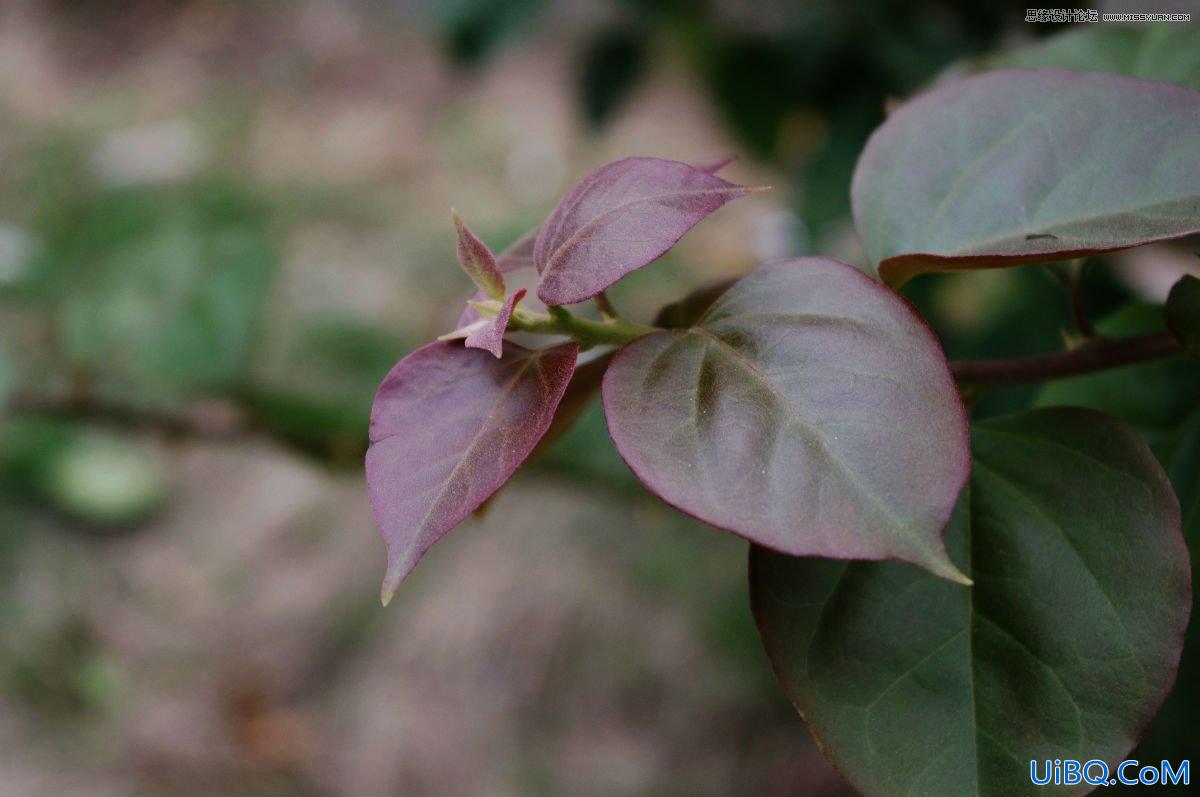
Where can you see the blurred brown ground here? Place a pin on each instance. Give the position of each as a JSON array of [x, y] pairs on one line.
[[579, 639]]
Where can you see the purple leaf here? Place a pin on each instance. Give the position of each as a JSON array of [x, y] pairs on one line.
[[1027, 166], [517, 257], [478, 261], [491, 337], [449, 426], [619, 218], [809, 410]]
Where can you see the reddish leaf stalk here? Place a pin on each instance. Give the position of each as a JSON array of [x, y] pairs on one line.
[[1099, 355]]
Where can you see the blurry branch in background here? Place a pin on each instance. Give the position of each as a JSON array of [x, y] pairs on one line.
[[218, 419], [214, 419]]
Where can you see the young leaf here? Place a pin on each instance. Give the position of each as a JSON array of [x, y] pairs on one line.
[[517, 257], [619, 218], [1018, 166], [716, 164], [478, 261], [1064, 648], [809, 410], [490, 337], [1183, 314], [449, 426]]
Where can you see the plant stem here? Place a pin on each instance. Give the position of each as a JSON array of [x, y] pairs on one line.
[[607, 311], [588, 333], [1097, 355]]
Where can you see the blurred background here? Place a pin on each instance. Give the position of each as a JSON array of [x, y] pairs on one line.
[[222, 222]]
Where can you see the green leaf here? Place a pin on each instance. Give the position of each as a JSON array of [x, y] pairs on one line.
[[1179, 453], [1016, 166], [1168, 53], [1064, 648], [808, 409], [1183, 314]]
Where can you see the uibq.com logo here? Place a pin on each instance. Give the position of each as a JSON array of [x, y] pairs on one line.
[[1069, 772]]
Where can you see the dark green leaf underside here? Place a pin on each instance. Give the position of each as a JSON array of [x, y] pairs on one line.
[[1064, 648]]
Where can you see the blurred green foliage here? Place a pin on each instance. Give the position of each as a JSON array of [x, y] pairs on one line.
[[153, 289], [1167, 53]]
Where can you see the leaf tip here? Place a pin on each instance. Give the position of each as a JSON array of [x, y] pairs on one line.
[[396, 572], [940, 565]]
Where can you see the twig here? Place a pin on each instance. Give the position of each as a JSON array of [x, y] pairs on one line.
[[1098, 355]]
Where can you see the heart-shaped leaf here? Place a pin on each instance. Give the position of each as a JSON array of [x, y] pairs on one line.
[[619, 218], [1065, 647], [1016, 166], [449, 426], [809, 409], [1183, 314]]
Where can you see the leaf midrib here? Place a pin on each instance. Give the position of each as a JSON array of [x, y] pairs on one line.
[[469, 450], [811, 429], [552, 261]]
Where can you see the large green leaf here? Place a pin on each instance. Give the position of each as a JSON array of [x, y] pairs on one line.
[[808, 409], [1026, 166], [1064, 648], [1170, 53]]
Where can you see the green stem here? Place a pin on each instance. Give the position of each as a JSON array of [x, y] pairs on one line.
[[588, 333]]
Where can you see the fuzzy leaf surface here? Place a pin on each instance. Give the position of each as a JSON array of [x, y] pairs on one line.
[[809, 409], [1065, 647], [491, 337], [477, 260], [1026, 166], [619, 218], [450, 425]]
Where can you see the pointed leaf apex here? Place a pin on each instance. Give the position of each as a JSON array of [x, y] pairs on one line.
[[937, 561], [477, 260], [396, 571]]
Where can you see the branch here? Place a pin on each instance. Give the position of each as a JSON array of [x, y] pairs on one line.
[[211, 420], [1098, 355]]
